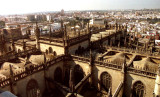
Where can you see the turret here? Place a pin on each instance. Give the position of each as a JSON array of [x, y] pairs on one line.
[[2, 44], [65, 32], [88, 29], [12, 79], [71, 80], [75, 28], [37, 34], [50, 34], [24, 45], [61, 24], [124, 66], [13, 44], [65, 38], [106, 25]]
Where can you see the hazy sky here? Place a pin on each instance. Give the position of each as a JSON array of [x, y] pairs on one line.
[[27, 6]]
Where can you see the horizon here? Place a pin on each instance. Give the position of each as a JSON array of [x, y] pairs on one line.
[[37, 6]]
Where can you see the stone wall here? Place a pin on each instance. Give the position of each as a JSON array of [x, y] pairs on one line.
[[148, 82], [84, 66], [21, 85], [22, 79], [73, 48], [59, 50], [115, 74]]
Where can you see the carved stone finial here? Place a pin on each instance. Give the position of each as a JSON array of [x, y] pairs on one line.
[[44, 58], [11, 71]]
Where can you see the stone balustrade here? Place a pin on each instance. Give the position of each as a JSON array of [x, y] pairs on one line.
[[27, 72], [14, 55]]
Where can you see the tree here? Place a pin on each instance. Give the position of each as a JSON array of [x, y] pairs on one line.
[[2, 23]]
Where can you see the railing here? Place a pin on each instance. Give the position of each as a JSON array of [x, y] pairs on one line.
[[78, 39], [78, 58], [142, 72], [5, 82], [115, 65], [27, 72], [52, 39], [131, 50], [109, 35], [108, 64], [11, 56]]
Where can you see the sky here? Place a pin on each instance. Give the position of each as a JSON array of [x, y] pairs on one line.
[[30, 6]]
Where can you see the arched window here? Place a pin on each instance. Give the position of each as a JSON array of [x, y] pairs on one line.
[[138, 89], [58, 75], [32, 89], [66, 77], [106, 81], [78, 74], [46, 51], [55, 54], [50, 50]]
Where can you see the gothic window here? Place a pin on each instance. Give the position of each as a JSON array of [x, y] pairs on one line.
[[58, 75], [50, 50], [78, 74], [66, 77], [55, 54], [138, 89], [46, 51], [106, 81], [32, 89]]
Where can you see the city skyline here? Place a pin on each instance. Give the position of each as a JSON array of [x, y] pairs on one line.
[[31, 6]]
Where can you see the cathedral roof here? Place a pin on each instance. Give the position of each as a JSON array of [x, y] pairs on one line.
[[117, 57], [146, 63]]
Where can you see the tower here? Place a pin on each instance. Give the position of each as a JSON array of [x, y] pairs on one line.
[[37, 35]]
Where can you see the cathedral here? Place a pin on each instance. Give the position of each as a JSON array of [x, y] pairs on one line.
[[86, 61]]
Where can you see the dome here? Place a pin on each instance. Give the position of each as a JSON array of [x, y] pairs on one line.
[[16, 67], [38, 59], [145, 63], [117, 57]]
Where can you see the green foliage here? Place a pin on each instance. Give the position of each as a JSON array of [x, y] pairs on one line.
[[2, 23]]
